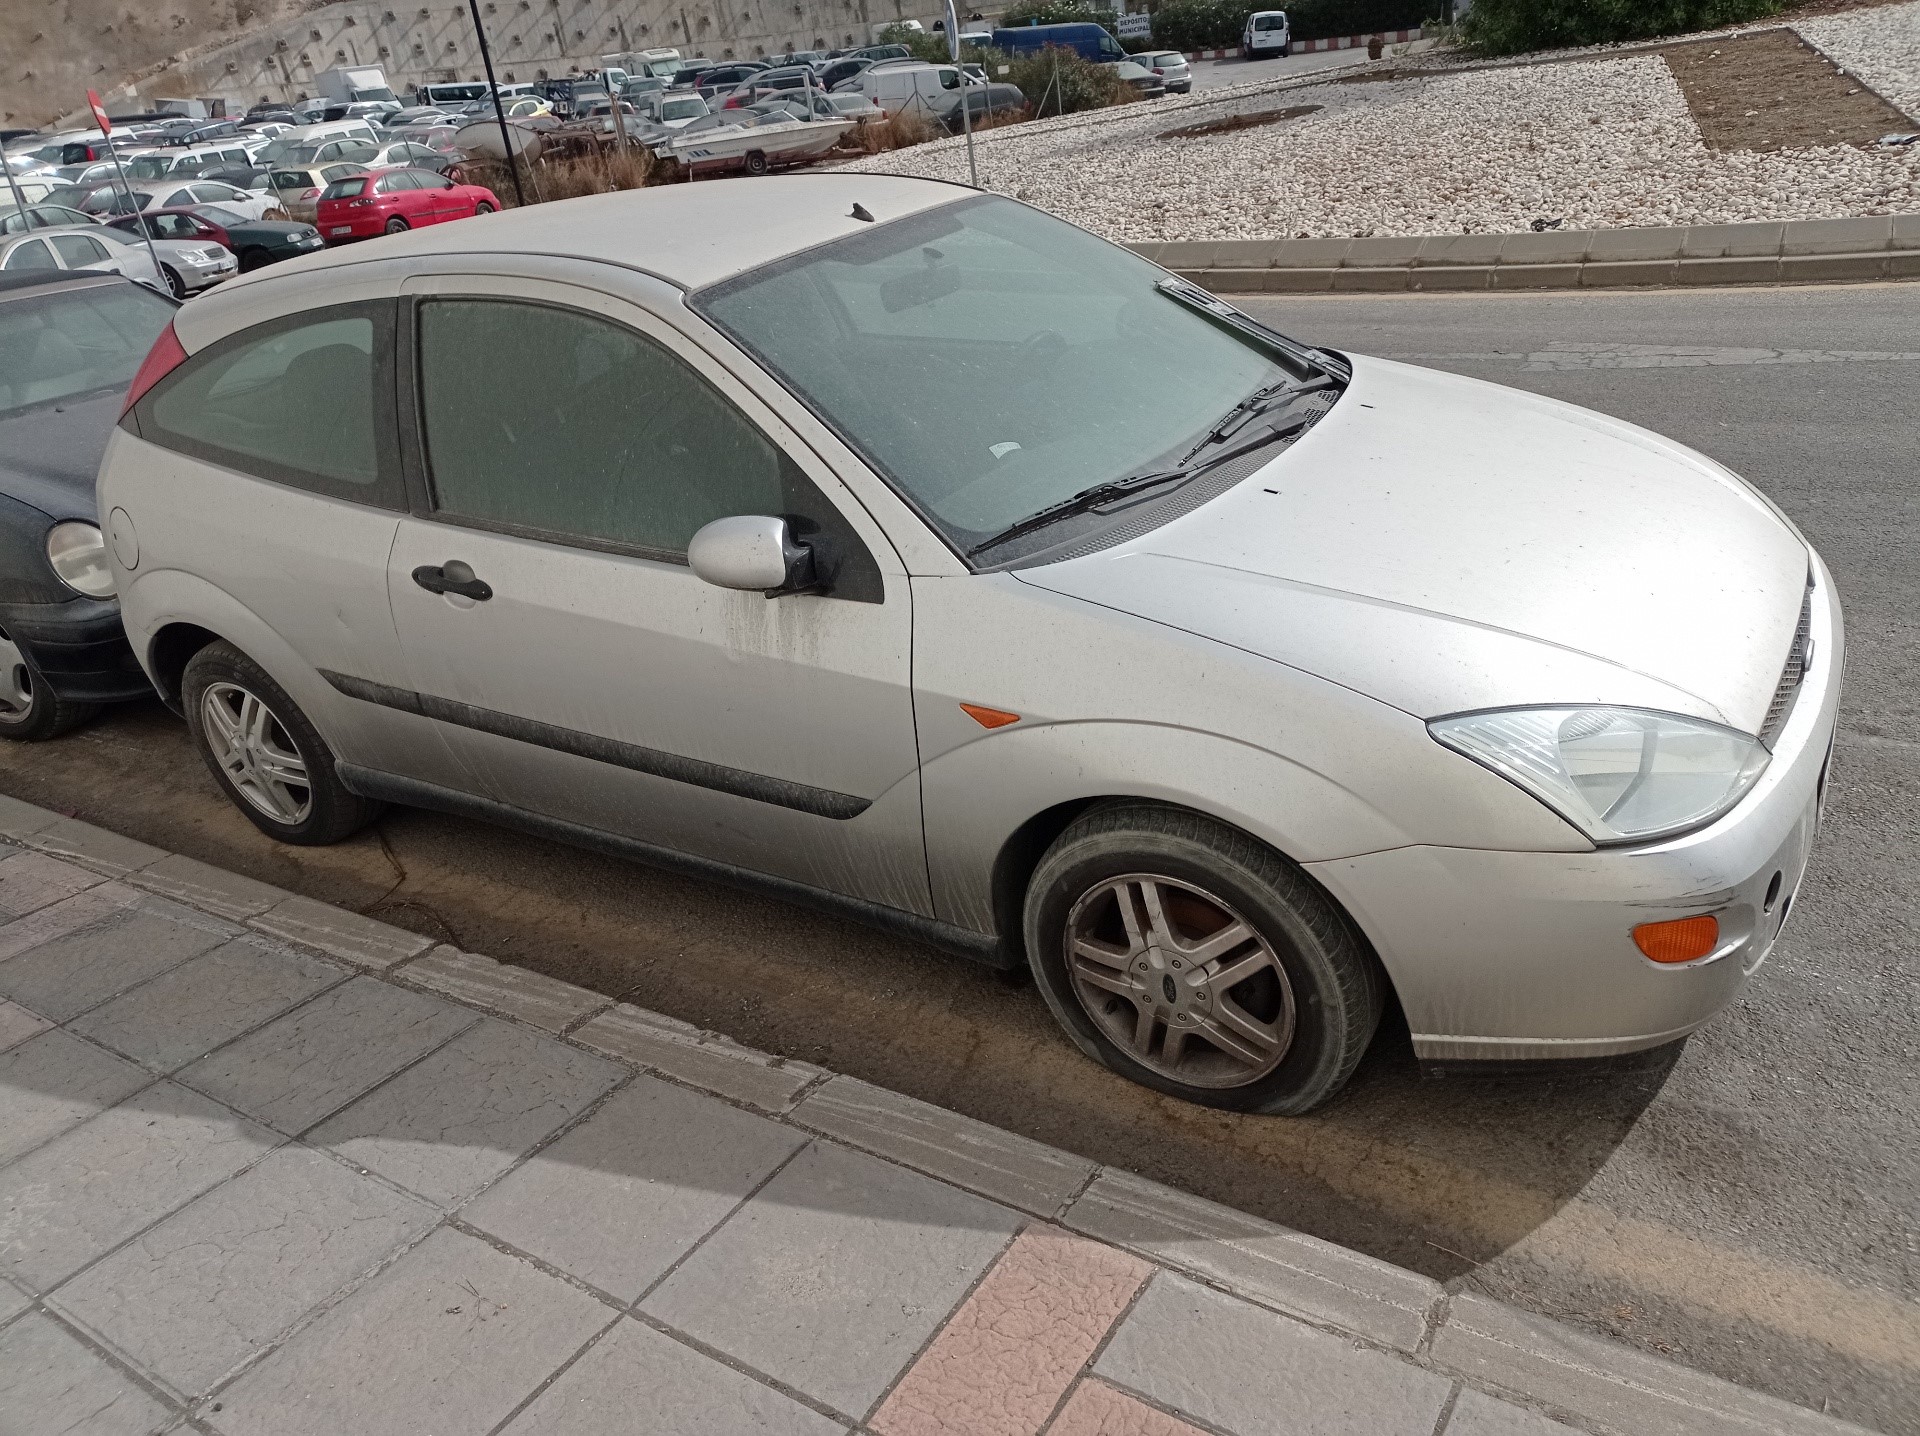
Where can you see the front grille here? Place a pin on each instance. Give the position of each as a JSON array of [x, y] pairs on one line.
[[1799, 658]]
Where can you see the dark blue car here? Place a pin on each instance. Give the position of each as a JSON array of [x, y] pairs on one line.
[[1089, 41], [69, 346]]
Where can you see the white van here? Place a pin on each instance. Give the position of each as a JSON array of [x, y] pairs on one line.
[[164, 162], [302, 137], [911, 85], [1266, 34]]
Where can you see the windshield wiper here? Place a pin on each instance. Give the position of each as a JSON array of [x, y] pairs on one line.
[[1185, 292], [1085, 501], [1258, 403]]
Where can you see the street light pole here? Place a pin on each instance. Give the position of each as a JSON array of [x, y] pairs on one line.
[[499, 110], [966, 110]]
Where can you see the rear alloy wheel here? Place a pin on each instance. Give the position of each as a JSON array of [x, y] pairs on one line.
[[1193, 959], [266, 755], [30, 710], [176, 286], [395, 225]]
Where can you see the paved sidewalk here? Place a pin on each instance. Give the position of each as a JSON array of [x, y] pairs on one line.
[[267, 1166]]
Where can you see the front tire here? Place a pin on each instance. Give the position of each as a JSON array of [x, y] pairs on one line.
[[265, 754], [176, 286], [482, 208], [252, 258], [1189, 957], [30, 711]]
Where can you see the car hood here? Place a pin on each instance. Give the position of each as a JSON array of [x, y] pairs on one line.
[[1445, 544], [50, 454]]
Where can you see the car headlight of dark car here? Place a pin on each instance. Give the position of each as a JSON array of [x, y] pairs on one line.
[[79, 557]]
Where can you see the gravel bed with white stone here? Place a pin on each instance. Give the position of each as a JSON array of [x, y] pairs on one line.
[[1880, 46], [1592, 145]]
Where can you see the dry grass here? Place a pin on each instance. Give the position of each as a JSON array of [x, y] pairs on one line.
[[572, 176], [896, 132]]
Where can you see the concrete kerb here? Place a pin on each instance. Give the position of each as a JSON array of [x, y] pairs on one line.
[[1597, 1385], [1786, 251]]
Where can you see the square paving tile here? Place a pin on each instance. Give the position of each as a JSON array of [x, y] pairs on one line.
[[63, 978], [636, 1380], [13, 1301], [186, 1013], [69, 915], [50, 1382], [298, 1069], [481, 1331], [56, 1081], [1477, 1414], [1249, 1370], [449, 1125], [835, 1274], [29, 881], [219, 1280], [17, 1024], [84, 1193], [625, 1194]]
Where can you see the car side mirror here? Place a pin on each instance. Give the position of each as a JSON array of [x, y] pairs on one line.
[[752, 552]]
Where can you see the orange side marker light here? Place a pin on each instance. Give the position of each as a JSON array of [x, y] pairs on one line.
[[989, 717], [1684, 939]]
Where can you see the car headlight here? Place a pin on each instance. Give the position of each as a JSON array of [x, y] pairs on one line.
[[79, 558], [1619, 775]]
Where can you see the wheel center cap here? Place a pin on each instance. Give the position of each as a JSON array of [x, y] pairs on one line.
[[1167, 986]]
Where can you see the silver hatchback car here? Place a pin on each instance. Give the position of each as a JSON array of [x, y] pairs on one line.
[[906, 551]]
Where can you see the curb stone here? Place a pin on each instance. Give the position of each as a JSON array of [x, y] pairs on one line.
[[1598, 1385], [1867, 247]]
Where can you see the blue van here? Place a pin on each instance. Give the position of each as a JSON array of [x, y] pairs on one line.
[[1088, 40]]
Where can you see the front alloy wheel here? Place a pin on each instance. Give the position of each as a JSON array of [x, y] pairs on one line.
[[1180, 979], [253, 750]]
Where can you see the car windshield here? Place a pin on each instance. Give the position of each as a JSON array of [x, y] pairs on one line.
[[993, 361], [146, 167], [58, 346]]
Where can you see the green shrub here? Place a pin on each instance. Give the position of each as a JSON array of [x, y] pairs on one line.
[[1054, 12], [1060, 82], [1215, 24], [1508, 27]]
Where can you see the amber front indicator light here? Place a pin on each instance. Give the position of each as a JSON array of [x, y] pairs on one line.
[[1685, 939]]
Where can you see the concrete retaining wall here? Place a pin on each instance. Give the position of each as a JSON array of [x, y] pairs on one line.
[[1778, 252]]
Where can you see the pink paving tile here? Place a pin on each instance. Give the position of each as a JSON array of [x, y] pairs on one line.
[[1002, 1362], [29, 881], [64, 917], [1096, 1409]]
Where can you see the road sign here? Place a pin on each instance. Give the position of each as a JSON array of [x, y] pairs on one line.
[[99, 113], [1134, 27]]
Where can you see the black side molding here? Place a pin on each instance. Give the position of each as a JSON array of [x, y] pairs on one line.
[[984, 948], [821, 802]]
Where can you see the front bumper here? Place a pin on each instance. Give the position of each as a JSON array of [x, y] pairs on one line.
[[1515, 956], [79, 647], [207, 273]]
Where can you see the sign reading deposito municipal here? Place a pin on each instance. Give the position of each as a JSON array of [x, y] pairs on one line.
[[1134, 27]]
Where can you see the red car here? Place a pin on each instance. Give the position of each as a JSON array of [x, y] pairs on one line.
[[388, 201]]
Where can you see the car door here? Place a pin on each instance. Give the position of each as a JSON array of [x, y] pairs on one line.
[[438, 197], [83, 251], [271, 455], [598, 682], [30, 254]]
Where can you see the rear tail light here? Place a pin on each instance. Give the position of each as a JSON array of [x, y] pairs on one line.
[[165, 356], [309, 194]]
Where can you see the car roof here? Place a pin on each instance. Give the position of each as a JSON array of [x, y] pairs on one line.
[[11, 284], [690, 235]]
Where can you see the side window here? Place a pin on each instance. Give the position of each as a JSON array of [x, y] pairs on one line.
[[173, 226], [77, 251], [621, 445], [34, 254], [305, 401]]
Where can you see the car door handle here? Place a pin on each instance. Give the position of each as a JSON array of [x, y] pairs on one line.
[[453, 577]]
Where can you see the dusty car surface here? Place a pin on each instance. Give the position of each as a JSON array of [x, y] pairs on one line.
[[971, 575]]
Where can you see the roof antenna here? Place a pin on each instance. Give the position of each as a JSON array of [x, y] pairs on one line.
[[860, 212]]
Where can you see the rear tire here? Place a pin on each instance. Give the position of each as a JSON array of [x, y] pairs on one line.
[[265, 754], [396, 225], [30, 711], [1118, 919], [756, 163]]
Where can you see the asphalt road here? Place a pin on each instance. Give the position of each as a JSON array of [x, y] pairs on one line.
[[1212, 74], [1749, 1208]]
